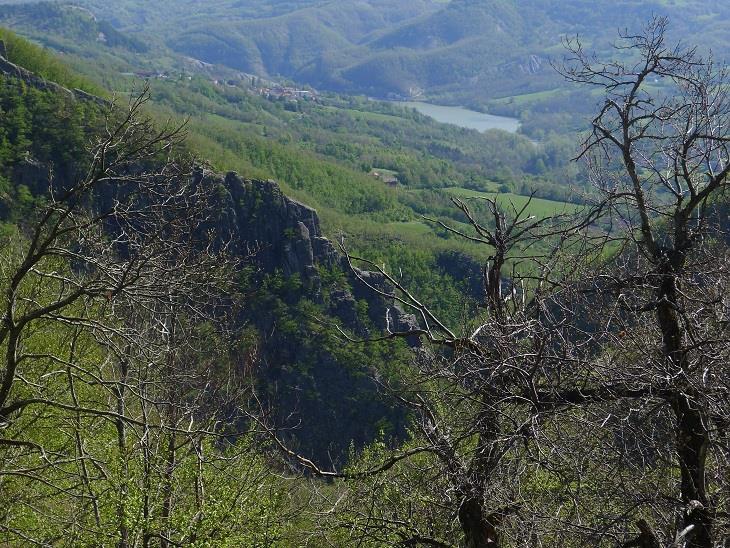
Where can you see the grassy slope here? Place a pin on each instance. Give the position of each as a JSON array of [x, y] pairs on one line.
[[535, 206], [44, 64]]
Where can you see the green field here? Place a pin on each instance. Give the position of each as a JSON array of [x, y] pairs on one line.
[[527, 98], [538, 206]]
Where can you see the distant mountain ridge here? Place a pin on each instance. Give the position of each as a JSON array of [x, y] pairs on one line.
[[73, 21], [458, 51]]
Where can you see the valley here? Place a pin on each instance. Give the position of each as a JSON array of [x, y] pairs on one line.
[[316, 273], [376, 48]]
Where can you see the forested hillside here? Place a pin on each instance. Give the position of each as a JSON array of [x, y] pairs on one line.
[[45, 136], [459, 51], [239, 311], [158, 332]]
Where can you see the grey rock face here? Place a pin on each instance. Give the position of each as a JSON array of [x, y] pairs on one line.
[[299, 255], [32, 174], [366, 286], [12, 70], [384, 311], [402, 322], [327, 254], [286, 236], [344, 306]]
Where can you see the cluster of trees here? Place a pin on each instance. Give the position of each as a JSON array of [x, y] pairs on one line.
[[117, 372], [77, 25], [48, 128], [305, 377], [41, 62], [588, 403]]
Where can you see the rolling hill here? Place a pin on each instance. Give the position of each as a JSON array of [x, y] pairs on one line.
[[458, 51]]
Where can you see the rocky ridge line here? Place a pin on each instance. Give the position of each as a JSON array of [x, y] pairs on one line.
[[257, 215], [12, 70]]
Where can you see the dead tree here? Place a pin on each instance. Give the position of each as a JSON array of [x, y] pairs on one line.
[[658, 151], [477, 394], [95, 283], [604, 366]]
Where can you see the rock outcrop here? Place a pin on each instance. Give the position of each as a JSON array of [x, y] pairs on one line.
[[285, 235], [31, 79], [255, 217], [33, 174], [302, 367]]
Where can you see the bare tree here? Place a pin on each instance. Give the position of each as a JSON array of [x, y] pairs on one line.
[[560, 414], [477, 393], [658, 151], [111, 292]]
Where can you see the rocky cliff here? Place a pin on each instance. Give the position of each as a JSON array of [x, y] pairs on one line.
[[14, 71], [306, 372], [299, 287], [285, 236], [255, 216]]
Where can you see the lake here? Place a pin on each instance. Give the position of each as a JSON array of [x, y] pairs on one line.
[[464, 117]]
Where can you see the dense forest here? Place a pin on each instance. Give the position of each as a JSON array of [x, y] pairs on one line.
[[498, 347]]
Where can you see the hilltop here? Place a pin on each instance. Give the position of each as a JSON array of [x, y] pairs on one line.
[[459, 51]]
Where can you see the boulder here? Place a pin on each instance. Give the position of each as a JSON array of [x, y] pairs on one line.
[[402, 322]]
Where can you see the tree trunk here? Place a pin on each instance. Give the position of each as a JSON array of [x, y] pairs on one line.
[[480, 528], [123, 458], [479, 532], [168, 490], [692, 444], [692, 436], [647, 538]]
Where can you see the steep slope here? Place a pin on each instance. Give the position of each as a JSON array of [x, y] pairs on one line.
[[498, 22], [298, 284], [75, 23], [444, 50], [309, 44]]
